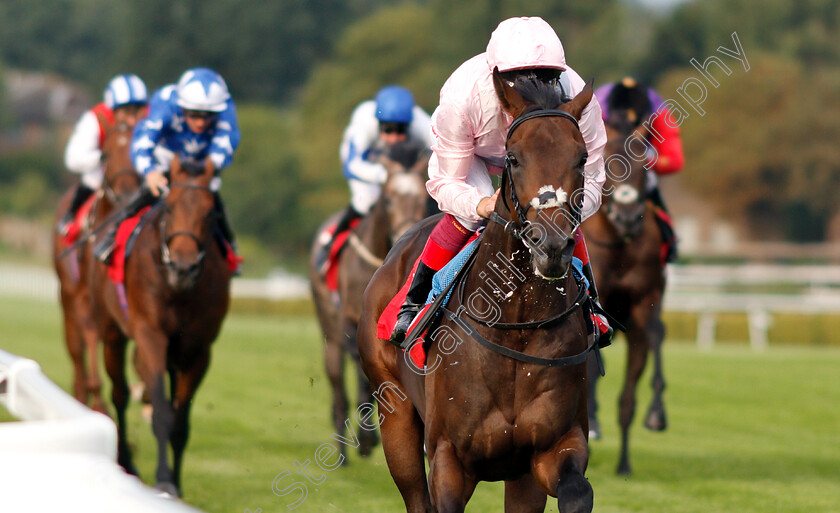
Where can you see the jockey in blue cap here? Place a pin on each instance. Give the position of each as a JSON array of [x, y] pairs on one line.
[[124, 101], [195, 120], [376, 127]]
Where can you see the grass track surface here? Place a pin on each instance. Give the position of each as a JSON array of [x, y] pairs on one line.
[[747, 432]]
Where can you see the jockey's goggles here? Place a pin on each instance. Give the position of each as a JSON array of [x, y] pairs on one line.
[[393, 128], [201, 114]]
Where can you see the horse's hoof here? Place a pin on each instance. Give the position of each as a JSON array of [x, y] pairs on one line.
[[167, 490], [574, 494], [623, 469], [656, 421]]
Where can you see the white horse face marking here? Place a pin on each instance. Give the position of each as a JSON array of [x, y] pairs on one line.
[[626, 194], [406, 185], [548, 197]]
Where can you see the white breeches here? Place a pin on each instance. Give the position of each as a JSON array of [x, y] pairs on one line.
[[363, 195]]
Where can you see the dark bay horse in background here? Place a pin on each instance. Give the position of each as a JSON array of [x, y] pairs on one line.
[[177, 287], [625, 248], [120, 182], [485, 416], [403, 203]]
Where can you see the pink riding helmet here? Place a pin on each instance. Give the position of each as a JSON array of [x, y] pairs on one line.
[[519, 43]]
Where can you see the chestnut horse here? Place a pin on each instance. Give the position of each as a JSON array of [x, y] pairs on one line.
[[625, 248], [177, 295], [518, 412], [403, 203], [120, 181]]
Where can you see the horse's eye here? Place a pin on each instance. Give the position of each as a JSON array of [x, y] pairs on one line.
[[583, 160], [512, 159]]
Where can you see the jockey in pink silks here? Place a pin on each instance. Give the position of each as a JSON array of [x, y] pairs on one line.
[[470, 129]]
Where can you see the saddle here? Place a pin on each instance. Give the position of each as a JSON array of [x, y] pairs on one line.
[[668, 251], [331, 272], [80, 223]]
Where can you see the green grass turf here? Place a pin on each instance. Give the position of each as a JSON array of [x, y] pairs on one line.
[[747, 432]]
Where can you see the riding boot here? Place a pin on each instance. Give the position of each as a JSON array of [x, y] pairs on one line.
[[105, 247], [82, 193], [223, 220], [667, 229], [415, 299], [600, 324], [349, 215]]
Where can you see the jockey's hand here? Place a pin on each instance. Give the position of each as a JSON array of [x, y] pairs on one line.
[[156, 182], [487, 205], [392, 166]]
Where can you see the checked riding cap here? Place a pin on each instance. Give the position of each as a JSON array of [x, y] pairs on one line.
[[125, 90], [394, 104], [202, 89], [522, 43]]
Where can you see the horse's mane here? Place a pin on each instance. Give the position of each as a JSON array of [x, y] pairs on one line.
[[538, 93]]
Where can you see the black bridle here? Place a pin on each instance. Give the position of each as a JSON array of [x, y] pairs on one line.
[[108, 183], [165, 255], [517, 227]]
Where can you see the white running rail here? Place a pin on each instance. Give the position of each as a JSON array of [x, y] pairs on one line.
[[61, 455]]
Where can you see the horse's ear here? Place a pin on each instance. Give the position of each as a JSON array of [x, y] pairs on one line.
[[576, 106], [510, 98]]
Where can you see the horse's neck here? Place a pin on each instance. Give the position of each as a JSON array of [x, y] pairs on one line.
[[503, 271], [374, 230]]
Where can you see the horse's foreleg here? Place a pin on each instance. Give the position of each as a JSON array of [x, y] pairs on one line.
[[524, 496], [656, 419], [152, 351], [636, 360], [90, 337], [592, 376], [114, 356], [368, 439], [75, 347], [451, 488], [186, 385], [559, 472], [334, 363]]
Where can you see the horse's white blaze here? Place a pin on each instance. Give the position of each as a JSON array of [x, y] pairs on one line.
[[626, 194], [406, 184], [540, 202]]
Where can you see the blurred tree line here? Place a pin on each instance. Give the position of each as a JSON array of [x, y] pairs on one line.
[[765, 151]]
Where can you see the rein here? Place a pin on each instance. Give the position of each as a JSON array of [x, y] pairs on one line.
[[108, 185]]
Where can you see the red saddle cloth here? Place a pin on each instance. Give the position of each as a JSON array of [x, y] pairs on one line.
[[331, 274], [116, 269], [388, 318], [75, 228]]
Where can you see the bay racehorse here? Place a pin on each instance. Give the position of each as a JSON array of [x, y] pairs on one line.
[[176, 297], [518, 412], [403, 203], [120, 181], [625, 248]]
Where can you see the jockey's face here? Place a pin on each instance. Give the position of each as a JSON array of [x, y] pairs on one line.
[[198, 121], [392, 133], [129, 114]]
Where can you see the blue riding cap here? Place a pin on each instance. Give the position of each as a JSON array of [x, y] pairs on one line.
[[394, 104]]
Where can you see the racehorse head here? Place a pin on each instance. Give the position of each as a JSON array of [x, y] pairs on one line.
[[187, 222], [626, 184], [120, 180], [542, 185], [404, 192]]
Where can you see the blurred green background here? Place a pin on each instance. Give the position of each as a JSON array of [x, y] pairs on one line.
[[765, 154]]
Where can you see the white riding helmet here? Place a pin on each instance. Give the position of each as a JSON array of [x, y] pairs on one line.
[[125, 90], [202, 89], [520, 43]]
